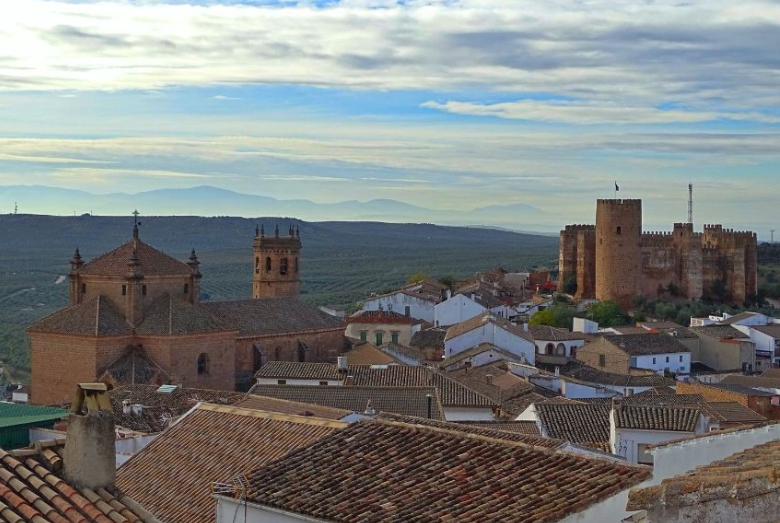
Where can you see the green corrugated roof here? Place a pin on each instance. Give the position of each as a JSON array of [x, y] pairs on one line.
[[14, 414]]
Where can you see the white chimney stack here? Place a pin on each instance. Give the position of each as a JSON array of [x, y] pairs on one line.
[[341, 363], [137, 409], [126, 407]]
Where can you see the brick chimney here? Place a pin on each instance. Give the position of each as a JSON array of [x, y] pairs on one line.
[[90, 452]]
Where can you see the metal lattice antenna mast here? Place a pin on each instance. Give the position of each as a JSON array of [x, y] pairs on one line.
[[690, 203], [772, 233]]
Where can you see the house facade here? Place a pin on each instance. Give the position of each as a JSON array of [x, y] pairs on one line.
[[488, 328]]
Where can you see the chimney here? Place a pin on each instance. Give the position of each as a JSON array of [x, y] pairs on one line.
[[137, 409], [341, 363], [370, 410], [126, 407], [90, 451], [557, 371], [349, 381], [525, 326], [489, 379]]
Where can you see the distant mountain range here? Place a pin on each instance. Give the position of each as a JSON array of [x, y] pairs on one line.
[[212, 201]]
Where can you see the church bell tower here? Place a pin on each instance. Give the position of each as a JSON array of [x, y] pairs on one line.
[[276, 264]]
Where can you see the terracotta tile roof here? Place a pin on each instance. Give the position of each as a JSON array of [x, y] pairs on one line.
[[547, 333], [396, 350], [434, 475], [475, 351], [407, 401], [720, 331], [739, 389], [134, 366], [512, 393], [153, 262], [452, 393], [380, 317], [576, 422], [769, 330], [580, 372], [661, 325], [746, 475], [656, 417], [367, 354], [477, 321], [521, 427], [751, 381], [643, 344], [739, 317], [429, 338], [168, 316], [94, 317], [733, 412], [535, 440], [256, 402], [171, 476], [32, 490], [161, 408], [269, 316]]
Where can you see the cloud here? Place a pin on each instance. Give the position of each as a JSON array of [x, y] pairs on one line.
[[591, 113], [635, 55], [223, 97], [93, 175]]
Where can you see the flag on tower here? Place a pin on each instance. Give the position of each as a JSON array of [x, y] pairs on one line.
[[617, 187]]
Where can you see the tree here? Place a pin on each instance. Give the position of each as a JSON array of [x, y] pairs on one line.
[[570, 284], [449, 281], [607, 314], [673, 289], [417, 276], [559, 315]]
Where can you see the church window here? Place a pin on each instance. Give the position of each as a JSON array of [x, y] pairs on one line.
[[257, 265], [619, 229], [203, 363], [83, 288], [143, 290], [186, 288], [283, 266], [296, 265], [124, 290], [268, 264]]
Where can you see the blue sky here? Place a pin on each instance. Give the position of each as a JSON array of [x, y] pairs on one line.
[[444, 104]]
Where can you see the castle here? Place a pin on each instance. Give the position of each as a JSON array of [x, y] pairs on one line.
[[615, 260], [135, 317]]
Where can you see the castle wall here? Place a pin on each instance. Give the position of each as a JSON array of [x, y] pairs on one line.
[[659, 263], [577, 259], [618, 257]]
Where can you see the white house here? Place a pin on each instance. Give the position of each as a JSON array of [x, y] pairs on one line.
[[456, 309], [482, 354], [416, 300], [634, 428], [487, 328], [766, 339], [554, 341]]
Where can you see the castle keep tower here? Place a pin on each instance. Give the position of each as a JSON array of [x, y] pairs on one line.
[[618, 237], [277, 264]]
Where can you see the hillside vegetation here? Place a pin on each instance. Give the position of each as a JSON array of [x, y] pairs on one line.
[[341, 261]]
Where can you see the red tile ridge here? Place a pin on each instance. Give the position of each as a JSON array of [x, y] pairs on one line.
[[255, 413]]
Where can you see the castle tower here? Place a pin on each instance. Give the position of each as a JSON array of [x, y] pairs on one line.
[[276, 264], [618, 258]]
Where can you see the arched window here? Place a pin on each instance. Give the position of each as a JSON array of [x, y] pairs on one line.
[[268, 264], [549, 348], [283, 266], [203, 363], [257, 265], [619, 229], [257, 353], [560, 350], [296, 265]]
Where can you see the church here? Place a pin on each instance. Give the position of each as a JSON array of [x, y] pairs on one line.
[[135, 317]]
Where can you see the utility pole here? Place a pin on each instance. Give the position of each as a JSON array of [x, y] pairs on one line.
[[16, 208]]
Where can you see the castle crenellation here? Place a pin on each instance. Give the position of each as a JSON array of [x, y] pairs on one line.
[[615, 260]]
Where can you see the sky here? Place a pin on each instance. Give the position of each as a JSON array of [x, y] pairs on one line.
[[446, 104]]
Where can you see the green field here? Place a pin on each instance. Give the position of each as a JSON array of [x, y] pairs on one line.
[[342, 262]]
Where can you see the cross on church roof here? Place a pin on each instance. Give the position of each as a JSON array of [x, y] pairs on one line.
[[136, 223]]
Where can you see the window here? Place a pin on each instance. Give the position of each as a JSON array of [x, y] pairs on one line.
[[124, 290], [268, 264], [281, 382], [203, 363], [363, 335], [667, 359], [549, 348], [680, 358], [283, 266], [379, 336], [602, 360], [619, 230], [257, 265], [323, 384], [653, 361], [296, 265], [642, 455], [143, 290], [186, 288], [407, 311], [560, 350], [394, 336], [633, 361], [83, 288]]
